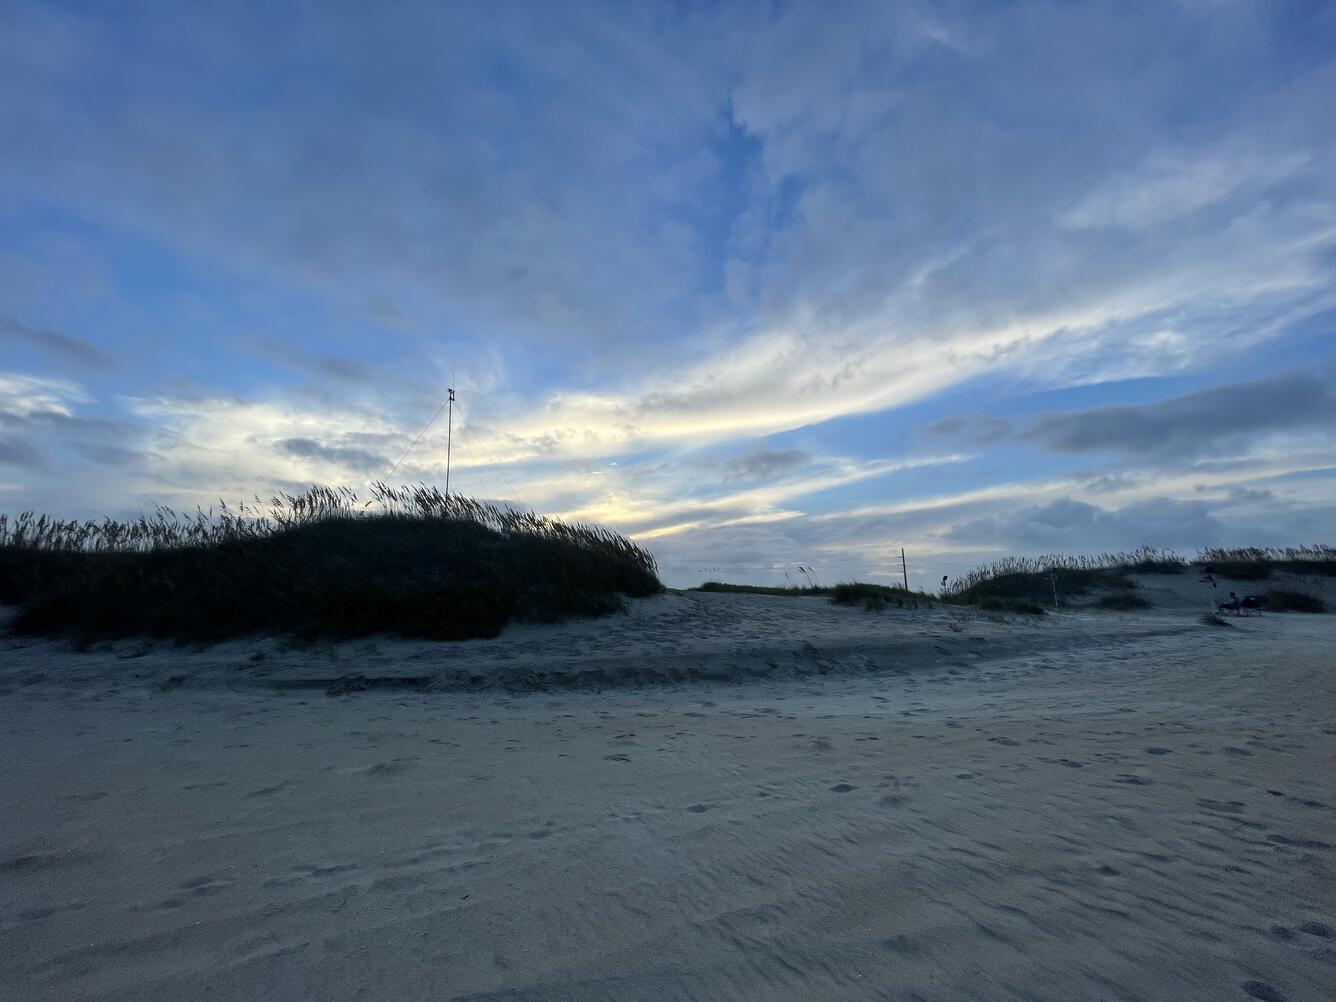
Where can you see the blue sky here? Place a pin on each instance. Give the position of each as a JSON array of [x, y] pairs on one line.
[[758, 284]]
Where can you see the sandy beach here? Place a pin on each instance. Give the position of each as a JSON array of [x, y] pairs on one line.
[[712, 797]]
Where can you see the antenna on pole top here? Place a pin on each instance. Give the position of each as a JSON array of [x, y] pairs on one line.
[[449, 436]]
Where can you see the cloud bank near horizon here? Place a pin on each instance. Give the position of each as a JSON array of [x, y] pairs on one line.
[[757, 285]]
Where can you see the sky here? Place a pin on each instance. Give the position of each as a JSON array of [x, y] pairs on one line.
[[761, 285]]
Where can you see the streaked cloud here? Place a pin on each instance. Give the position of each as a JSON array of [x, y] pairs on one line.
[[66, 350], [1223, 418]]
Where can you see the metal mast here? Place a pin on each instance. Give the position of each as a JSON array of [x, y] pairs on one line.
[[449, 436]]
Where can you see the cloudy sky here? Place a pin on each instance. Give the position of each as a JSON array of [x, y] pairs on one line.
[[760, 284]]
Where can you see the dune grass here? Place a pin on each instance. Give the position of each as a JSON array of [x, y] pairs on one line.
[[1259, 563], [744, 589], [1023, 584], [874, 597], [1018, 581], [865, 593], [410, 561]]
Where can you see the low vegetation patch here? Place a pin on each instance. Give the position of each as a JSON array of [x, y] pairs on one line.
[[1293, 601], [791, 590], [1214, 619], [875, 597], [411, 561], [865, 593]]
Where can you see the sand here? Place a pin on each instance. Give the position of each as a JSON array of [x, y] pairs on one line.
[[714, 797]]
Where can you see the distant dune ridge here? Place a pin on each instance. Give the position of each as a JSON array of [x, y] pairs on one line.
[[417, 562], [1114, 581]]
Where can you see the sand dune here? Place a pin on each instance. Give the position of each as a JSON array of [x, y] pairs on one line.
[[918, 805]]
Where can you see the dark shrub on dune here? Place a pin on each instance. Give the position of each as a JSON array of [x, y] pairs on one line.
[[1293, 601], [791, 591], [875, 597], [1035, 586], [421, 564]]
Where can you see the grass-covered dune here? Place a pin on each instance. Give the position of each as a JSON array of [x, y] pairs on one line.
[[410, 561], [1105, 581]]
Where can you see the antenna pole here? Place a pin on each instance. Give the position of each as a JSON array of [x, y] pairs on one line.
[[449, 437], [904, 568]]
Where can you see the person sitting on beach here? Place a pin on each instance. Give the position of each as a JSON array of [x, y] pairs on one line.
[[1234, 605]]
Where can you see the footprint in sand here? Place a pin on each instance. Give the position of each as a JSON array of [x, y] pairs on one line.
[[842, 788], [699, 808], [1222, 806], [37, 914], [1263, 992], [266, 791], [206, 884], [1159, 751], [1315, 804], [391, 768], [1319, 929], [1298, 843]]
